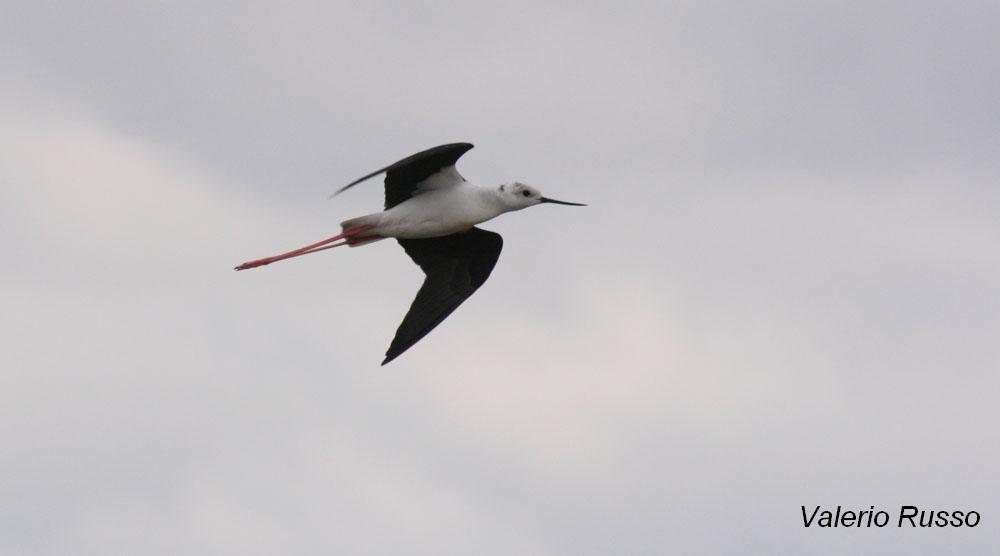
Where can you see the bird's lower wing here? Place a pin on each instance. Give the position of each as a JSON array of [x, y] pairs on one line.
[[456, 266]]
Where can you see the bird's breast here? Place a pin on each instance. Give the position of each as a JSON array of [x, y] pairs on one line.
[[435, 214]]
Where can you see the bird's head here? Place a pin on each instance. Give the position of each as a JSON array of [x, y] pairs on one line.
[[516, 196]]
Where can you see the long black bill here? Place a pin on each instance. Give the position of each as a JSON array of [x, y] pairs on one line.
[[547, 200]]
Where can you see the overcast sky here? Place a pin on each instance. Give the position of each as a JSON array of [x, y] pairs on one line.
[[785, 290]]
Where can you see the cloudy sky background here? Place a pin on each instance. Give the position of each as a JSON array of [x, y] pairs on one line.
[[785, 290]]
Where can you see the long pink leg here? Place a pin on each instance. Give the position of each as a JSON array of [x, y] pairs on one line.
[[361, 240], [312, 248], [351, 240]]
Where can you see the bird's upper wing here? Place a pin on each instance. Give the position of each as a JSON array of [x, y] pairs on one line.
[[455, 266], [405, 177]]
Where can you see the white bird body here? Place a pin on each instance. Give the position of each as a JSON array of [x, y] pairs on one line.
[[435, 212]]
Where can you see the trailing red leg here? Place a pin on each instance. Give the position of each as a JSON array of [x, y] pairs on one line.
[[312, 248]]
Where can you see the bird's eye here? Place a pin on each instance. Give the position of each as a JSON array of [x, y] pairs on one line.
[[526, 193]]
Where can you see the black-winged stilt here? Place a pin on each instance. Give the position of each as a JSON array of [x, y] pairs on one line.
[[432, 212]]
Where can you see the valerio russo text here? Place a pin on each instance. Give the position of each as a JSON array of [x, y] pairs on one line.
[[908, 516]]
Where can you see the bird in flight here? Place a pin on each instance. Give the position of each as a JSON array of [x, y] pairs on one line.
[[432, 211]]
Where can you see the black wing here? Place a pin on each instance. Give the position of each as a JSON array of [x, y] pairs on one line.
[[455, 266], [403, 177]]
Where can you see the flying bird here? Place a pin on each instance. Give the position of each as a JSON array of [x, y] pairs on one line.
[[432, 211]]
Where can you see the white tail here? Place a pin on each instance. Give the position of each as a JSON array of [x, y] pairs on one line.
[[366, 222]]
